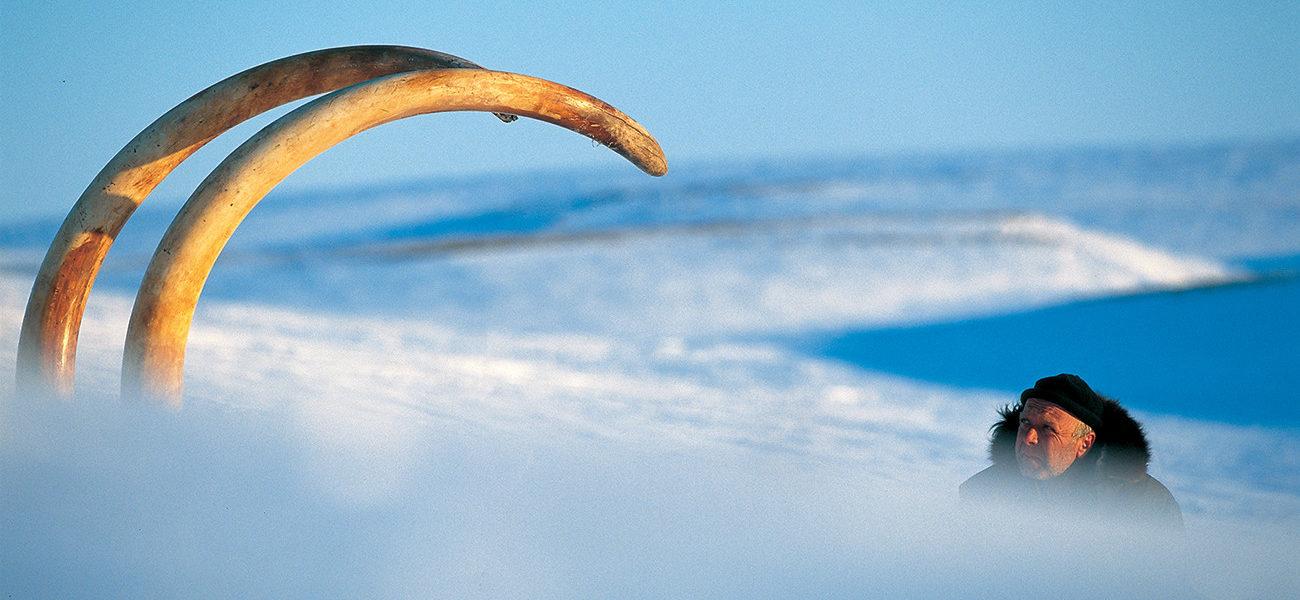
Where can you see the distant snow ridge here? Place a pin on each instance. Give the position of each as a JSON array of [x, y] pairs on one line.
[[1134, 263], [705, 282], [719, 279]]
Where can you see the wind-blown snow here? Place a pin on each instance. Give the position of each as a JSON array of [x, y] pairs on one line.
[[596, 402]]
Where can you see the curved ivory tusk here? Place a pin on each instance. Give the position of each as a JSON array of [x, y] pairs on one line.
[[153, 362], [47, 345]]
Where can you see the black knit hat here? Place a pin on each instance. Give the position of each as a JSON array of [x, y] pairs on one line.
[[1072, 394]]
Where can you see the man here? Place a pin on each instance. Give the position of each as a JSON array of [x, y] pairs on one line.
[[1064, 447]]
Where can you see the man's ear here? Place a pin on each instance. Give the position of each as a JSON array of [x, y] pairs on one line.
[[1086, 444]]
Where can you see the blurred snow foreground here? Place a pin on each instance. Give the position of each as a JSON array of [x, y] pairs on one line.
[[600, 407]]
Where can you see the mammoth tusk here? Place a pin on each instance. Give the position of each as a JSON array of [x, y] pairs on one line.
[[153, 361], [47, 345]]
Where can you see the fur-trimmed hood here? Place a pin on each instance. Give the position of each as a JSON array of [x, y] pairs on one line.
[[1120, 452], [1112, 477]]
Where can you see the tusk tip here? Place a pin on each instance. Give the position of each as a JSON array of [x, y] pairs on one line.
[[649, 158]]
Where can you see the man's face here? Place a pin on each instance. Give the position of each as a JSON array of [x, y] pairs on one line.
[[1047, 444]]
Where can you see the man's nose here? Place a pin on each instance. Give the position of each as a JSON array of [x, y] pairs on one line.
[[1031, 436]]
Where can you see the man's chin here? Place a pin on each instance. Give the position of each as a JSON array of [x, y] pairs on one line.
[[1032, 470]]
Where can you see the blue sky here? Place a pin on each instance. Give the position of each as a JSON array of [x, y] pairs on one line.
[[711, 81]]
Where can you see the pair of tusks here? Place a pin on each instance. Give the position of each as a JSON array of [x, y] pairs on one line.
[[370, 85]]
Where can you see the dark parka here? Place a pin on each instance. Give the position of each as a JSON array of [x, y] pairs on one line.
[[1111, 480]]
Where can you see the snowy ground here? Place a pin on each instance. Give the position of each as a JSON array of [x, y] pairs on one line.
[[587, 393]]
